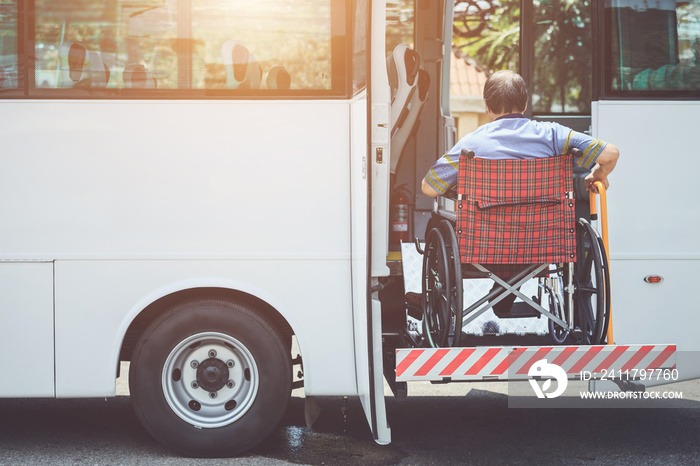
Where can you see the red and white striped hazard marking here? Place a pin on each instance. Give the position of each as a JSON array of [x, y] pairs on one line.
[[513, 363]]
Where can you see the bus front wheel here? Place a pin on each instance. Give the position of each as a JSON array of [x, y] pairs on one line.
[[210, 378]]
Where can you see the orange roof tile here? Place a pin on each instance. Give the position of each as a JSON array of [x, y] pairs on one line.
[[465, 79]]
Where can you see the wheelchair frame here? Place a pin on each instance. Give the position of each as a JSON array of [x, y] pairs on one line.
[[570, 287]]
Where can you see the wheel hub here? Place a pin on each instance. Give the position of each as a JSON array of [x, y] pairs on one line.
[[210, 380], [212, 374]]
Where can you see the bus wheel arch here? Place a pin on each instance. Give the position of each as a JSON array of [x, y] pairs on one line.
[[156, 308], [210, 376]]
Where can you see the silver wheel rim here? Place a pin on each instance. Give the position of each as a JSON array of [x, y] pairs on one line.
[[210, 380]]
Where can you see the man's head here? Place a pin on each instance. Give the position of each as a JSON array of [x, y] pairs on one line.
[[505, 92]]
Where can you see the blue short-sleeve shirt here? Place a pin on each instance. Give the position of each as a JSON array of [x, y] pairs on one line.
[[514, 137]]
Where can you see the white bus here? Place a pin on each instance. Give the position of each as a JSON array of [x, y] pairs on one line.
[[189, 185]]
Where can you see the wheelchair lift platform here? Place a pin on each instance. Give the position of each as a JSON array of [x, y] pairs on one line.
[[514, 363]]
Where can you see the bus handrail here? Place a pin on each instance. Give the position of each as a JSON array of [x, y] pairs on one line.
[[600, 188]]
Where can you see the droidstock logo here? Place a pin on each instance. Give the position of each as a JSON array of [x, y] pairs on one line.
[[541, 371]]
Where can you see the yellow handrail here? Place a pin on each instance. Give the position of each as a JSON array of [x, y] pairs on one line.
[[604, 233]]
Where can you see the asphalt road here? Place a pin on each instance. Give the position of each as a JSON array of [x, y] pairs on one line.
[[455, 424]]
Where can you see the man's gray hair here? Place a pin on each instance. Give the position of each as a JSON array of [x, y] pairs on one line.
[[505, 92]]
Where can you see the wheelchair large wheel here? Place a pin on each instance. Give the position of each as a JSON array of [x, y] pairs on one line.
[[455, 284], [437, 299], [606, 282], [590, 285]]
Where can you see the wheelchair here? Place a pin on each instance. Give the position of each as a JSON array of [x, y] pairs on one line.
[[515, 221]]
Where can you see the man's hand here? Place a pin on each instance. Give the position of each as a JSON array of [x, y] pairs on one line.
[[591, 179], [605, 164]]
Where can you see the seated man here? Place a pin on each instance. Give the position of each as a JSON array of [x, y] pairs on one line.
[[510, 135]]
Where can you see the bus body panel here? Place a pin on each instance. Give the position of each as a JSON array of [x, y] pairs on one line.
[[644, 312], [654, 186], [652, 216], [26, 329], [134, 205], [129, 179], [105, 296]]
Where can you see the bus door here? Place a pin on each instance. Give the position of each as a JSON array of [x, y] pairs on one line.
[[409, 124], [370, 185], [556, 60]]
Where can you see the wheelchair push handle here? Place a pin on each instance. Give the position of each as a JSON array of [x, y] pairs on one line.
[[576, 152], [467, 153], [603, 209]]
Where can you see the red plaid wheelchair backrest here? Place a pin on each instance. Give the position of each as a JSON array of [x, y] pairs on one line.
[[516, 211]]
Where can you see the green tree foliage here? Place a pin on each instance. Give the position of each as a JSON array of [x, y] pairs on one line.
[[562, 62], [487, 33]]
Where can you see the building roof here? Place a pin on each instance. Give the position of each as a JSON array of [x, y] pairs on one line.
[[465, 78], [466, 85]]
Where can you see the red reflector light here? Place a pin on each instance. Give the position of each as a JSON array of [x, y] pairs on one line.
[[653, 279]]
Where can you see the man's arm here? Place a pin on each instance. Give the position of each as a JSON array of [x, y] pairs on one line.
[[605, 164], [442, 176], [428, 190]]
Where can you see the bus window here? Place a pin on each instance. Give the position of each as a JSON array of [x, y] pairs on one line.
[[561, 67], [400, 23], [292, 37], [360, 18], [86, 44], [654, 47], [191, 47], [8, 45]]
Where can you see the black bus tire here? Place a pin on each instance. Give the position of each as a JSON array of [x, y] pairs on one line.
[[210, 378]]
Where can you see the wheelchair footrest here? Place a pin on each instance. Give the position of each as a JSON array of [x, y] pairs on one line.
[[520, 310]]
